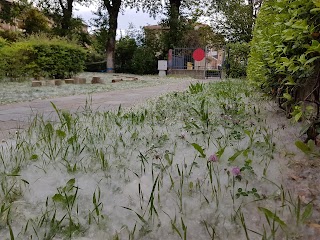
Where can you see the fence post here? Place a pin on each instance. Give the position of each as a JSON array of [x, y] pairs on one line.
[[169, 61]]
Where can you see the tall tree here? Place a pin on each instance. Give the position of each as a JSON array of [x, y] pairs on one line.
[[113, 8], [176, 12], [174, 21], [11, 10], [34, 21], [60, 11], [234, 18]]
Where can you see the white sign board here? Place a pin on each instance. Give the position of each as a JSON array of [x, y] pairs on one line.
[[162, 65]]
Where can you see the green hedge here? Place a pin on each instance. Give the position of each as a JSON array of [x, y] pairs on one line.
[[285, 50], [125, 50], [3, 43], [40, 57], [144, 61]]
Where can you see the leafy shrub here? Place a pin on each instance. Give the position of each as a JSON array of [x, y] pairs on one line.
[[95, 62], [3, 43], [34, 21], [285, 49], [11, 36], [35, 57], [125, 50], [144, 61], [237, 59]]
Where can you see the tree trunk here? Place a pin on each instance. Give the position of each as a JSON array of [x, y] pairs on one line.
[[174, 21], [113, 11], [66, 18]]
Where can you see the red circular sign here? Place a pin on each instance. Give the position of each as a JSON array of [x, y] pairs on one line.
[[198, 54]]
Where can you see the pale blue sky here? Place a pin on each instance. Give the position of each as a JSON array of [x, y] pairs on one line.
[[138, 19]]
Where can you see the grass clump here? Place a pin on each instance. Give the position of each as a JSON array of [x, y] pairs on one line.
[[191, 165]]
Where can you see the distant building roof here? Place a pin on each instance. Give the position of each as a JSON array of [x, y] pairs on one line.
[[155, 27]]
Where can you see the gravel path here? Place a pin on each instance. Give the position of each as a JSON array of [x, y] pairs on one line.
[[17, 116]]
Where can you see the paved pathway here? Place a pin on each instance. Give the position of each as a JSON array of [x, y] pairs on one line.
[[17, 116]]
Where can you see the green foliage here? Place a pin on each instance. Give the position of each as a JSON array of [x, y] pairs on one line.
[[40, 56], [285, 49], [196, 35], [11, 36], [144, 61], [10, 10], [237, 57], [95, 62], [308, 148], [237, 21], [34, 21], [15, 59], [125, 49], [3, 42], [196, 88]]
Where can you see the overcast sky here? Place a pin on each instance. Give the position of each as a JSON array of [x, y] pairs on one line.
[[138, 19]]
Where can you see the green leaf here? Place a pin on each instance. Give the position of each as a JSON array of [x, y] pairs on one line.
[[315, 10], [139, 216], [48, 127], [70, 184], [311, 60], [311, 145], [273, 216], [316, 2], [234, 156], [220, 151], [11, 232], [302, 146], [199, 149], [300, 24], [287, 96], [307, 212], [72, 140], [60, 133], [290, 81], [58, 198], [34, 157], [297, 116]]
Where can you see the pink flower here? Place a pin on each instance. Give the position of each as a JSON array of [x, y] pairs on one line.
[[213, 158], [183, 135], [236, 171]]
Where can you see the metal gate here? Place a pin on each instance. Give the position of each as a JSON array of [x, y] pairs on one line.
[[183, 61]]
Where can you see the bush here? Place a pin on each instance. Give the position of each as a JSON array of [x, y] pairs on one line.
[[11, 36], [285, 52], [35, 57], [15, 60], [125, 50], [144, 61], [3, 43], [237, 59], [95, 62]]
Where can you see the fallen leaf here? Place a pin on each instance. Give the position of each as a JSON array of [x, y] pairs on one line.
[[294, 177], [314, 225]]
